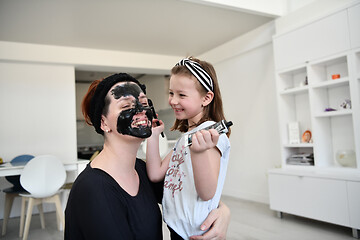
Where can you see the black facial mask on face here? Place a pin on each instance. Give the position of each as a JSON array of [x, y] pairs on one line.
[[126, 117]]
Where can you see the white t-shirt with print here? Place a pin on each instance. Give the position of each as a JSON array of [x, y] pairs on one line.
[[183, 209]]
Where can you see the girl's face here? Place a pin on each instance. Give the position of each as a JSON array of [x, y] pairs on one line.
[[185, 99], [128, 111]]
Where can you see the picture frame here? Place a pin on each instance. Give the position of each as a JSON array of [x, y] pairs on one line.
[[294, 132]]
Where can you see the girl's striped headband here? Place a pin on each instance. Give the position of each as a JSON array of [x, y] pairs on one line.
[[201, 75]]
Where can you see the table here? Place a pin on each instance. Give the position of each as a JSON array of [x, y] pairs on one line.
[[7, 169], [72, 169]]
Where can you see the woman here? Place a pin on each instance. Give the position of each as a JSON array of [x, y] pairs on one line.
[[113, 197]]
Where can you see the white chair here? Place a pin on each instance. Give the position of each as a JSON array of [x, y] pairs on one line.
[[42, 177], [14, 191]]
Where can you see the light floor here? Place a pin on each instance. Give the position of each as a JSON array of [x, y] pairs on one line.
[[249, 221]]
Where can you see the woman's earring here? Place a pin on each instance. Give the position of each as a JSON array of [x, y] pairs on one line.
[[107, 130]]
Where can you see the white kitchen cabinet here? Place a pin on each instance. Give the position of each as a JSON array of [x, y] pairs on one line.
[[308, 196], [322, 38], [354, 20], [320, 194], [353, 189]]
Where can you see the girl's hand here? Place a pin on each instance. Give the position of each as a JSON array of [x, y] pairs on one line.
[[157, 130], [218, 219], [203, 140]]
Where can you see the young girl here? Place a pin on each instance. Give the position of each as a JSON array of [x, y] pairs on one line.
[[194, 175]]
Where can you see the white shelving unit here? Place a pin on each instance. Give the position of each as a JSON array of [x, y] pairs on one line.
[[333, 131], [324, 189]]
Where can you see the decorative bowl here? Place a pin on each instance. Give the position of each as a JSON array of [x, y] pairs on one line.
[[346, 158]]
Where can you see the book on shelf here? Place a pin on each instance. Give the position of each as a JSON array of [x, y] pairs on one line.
[[306, 159], [294, 132]]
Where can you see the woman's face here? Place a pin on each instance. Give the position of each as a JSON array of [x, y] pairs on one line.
[[128, 111]]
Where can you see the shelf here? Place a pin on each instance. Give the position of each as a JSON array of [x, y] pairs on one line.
[[342, 58], [313, 171], [335, 113], [292, 80], [320, 73], [299, 145], [294, 70], [296, 90], [332, 83]]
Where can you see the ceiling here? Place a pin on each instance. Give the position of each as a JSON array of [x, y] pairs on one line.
[[166, 27]]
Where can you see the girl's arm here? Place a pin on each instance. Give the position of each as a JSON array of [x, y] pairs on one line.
[[155, 166], [205, 158]]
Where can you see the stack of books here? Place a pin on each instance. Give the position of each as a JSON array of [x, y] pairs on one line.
[[306, 159]]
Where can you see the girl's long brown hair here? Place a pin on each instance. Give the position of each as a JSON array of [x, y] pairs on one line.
[[214, 111]]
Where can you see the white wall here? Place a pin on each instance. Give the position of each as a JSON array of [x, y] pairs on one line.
[[245, 69], [37, 103], [88, 59], [86, 135], [37, 93], [157, 90], [248, 89], [293, 5]]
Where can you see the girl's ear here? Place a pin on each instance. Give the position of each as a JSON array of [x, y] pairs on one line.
[[207, 99]]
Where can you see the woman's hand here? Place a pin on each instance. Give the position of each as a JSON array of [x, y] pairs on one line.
[[218, 220]]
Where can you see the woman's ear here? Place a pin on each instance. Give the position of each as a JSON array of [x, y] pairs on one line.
[[207, 99], [103, 124]]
